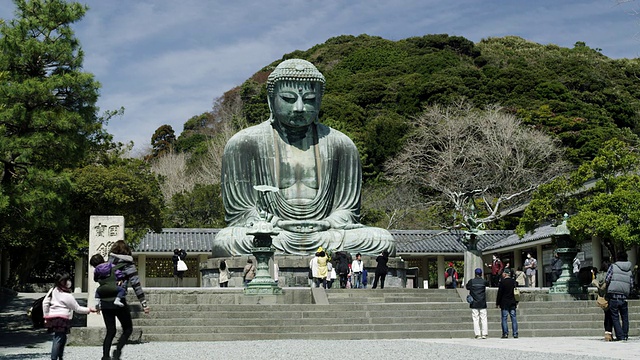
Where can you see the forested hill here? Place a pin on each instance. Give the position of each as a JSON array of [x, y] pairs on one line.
[[376, 86]]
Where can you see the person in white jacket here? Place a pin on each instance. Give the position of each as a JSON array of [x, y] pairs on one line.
[[356, 267], [58, 307]]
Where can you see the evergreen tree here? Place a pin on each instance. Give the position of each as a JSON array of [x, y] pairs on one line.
[[48, 125]]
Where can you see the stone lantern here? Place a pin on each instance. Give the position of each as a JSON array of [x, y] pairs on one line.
[[263, 231], [567, 283]]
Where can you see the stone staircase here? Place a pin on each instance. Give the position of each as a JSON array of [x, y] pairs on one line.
[[353, 314]]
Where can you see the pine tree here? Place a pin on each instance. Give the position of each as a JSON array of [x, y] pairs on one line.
[[48, 125]]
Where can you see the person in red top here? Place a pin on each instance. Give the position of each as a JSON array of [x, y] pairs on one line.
[[496, 270], [451, 271]]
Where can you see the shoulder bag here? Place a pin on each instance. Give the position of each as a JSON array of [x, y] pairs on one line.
[[181, 265]]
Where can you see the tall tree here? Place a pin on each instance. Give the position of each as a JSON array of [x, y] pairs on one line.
[[468, 155], [48, 124], [163, 141]]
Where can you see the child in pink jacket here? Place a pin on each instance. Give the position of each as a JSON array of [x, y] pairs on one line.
[[58, 307]]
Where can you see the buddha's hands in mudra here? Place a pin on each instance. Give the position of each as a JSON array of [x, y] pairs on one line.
[[303, 226]]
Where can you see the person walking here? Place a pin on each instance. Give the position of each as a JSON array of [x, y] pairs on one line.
[[600, 283], [508, 304], [356, 268], [496, 270], [530, 266], [121, 254], [381, 269], [249, 272], [450, 277], [619, 280], [223, 280], [478, 290], [178, 254], [58, 308]]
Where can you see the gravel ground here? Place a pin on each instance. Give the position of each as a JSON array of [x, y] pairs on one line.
[[494, 349]]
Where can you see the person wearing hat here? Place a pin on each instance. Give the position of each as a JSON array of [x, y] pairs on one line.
[[478, 291], [506, 300], [450, 277]]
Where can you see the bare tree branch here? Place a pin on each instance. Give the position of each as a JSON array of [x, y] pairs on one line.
[[466, 154]]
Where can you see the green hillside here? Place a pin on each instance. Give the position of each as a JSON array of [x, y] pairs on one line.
[[375, 87]]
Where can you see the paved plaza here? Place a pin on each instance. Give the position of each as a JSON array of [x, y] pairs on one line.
[[495, 349]]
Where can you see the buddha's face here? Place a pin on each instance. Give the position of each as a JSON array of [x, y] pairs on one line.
[[296, 103]]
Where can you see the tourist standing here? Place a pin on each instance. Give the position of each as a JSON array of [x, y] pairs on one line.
[[331, 274], [322, 268], [508, 304], [576, 266], [496, 270], [343, 268], [477, 289], [223, 280], [381, 269], [249, 272], [619, 281], [600, 283], [178, 254], [356, 268], [58, 307], [450, 277], [365, 281], [121, 254], [556, 267], [530, 266]]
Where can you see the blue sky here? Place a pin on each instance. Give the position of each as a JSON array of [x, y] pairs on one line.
[[165, 61]]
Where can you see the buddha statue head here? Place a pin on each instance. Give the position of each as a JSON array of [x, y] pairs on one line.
[[295, 90]]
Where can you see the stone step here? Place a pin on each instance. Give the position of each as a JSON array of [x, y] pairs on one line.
[[494, 332], [280, 322], [566, 307]]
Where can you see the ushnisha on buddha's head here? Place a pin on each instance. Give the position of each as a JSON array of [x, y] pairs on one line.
[[295, 90]]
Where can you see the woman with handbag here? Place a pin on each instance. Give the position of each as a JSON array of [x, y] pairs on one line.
[[178, 256], [599, 282]]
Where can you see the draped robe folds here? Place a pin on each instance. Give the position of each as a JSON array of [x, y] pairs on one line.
[[251, 158]]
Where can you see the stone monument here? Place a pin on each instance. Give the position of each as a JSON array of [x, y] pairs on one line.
[[104, 231], [315, 169]]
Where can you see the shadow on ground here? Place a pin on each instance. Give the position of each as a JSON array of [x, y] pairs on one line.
[[15, 326]]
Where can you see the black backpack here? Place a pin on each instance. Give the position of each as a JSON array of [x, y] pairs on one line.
[[36, 312]]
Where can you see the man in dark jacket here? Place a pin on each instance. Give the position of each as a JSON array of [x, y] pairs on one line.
[[507, 303], [619, 281], [477, 289]]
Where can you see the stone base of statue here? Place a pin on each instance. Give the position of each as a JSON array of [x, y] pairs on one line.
[[293, 271], [567, 283]]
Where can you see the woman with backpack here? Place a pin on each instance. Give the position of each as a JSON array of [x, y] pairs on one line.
[[58, 307], [121, 255]]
